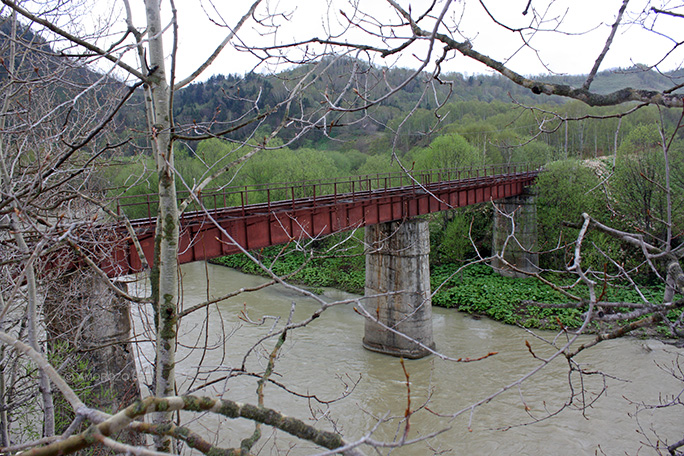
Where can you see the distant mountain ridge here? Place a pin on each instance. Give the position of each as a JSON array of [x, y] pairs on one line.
[[225, 98], [636, 77]]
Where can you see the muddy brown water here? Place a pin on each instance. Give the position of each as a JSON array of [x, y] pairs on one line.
[[326, 359]]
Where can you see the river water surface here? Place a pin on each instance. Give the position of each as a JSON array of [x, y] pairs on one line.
[[326, 358]]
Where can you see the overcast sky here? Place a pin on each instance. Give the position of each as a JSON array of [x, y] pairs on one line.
[[577, 30]]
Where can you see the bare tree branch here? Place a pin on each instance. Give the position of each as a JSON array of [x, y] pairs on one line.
[[609, 42]]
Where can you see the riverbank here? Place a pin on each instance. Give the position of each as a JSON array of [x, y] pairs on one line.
[[475, 289]]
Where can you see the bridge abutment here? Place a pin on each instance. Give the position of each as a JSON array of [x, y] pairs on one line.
[[521, 249], [89, 325], [398, 288]]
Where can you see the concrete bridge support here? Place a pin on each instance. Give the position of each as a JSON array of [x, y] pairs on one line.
[[520, 250], [90, 327], [397, 269]]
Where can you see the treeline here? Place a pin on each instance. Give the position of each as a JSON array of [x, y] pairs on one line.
[[224, 98]]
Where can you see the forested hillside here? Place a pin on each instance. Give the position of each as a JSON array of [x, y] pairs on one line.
[[455, 98], [486, 109]]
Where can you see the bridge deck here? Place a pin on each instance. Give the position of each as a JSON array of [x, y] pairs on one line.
[[212, 233]]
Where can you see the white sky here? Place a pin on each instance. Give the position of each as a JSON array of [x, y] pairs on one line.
[[571, 49]]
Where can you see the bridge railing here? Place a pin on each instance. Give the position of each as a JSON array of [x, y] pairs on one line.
[[145, 206]]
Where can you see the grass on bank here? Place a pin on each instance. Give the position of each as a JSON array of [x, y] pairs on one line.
[[476, 289]]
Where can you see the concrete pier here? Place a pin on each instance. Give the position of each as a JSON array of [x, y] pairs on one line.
[[398, 288], [90, 325], [520, 250]]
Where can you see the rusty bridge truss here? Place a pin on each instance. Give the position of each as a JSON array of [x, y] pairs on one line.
[[256, 216]]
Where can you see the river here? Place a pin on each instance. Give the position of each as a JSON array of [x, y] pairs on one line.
[[326, 358]]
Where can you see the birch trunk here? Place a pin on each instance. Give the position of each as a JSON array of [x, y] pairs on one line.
[[165, 270]]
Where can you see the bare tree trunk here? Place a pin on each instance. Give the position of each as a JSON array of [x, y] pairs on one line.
[[566, 139], [31, 286], [674, 282], [165, 270], [32, 316], [4, 423]]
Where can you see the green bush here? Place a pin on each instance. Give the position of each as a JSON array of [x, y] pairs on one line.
[[564, 191], [344, 272]]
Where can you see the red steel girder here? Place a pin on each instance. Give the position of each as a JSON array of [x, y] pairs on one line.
[[210, 234]]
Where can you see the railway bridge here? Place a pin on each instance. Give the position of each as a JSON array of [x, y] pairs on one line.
[[388, 205]]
